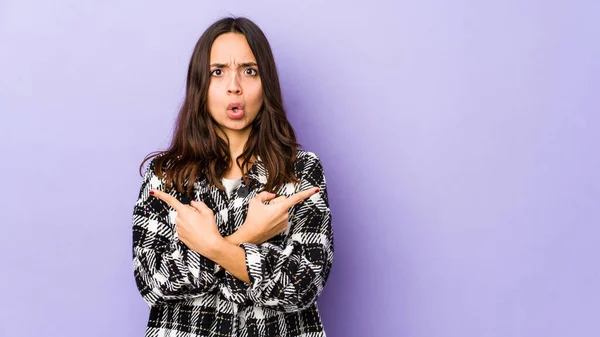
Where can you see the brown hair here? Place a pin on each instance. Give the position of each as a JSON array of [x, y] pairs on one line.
[[196, 148]]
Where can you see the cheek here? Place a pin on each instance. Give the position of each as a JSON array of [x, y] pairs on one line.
[[257, 94], [213, 97], [212, 100]]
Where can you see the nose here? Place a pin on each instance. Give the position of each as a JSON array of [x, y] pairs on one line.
[[233, 87]]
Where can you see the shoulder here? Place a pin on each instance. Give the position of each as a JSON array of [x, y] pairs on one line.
[[151, 173], [307, 162], [151, 168], [306, 155], [150, 178]]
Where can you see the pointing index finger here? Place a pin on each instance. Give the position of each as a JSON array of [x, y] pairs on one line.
[[298, 197], [169, 199]]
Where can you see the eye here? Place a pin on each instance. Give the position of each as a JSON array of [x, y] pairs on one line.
[[251, 72], [216, 72]]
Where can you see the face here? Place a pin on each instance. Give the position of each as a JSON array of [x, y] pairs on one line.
[[235, 92]]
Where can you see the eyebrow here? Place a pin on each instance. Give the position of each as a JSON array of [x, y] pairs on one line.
[[243, 65]]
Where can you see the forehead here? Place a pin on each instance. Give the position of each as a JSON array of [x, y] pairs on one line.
[[231, 47]]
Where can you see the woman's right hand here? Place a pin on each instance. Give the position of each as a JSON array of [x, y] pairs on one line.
[[265, 221]]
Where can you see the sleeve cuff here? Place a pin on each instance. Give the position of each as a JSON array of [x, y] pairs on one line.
[[254, 264]]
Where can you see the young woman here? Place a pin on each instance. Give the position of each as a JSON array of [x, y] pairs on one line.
[[232, 228]]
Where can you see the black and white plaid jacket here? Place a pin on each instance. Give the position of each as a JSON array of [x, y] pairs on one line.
[[189, 295]]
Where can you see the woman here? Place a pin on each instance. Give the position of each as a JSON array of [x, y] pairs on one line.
[[232, 228]]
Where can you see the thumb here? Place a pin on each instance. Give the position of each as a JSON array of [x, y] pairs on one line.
[[278, 199], [200, 206], [265, 196]]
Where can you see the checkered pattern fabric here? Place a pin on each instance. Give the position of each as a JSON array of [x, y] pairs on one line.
[[190, 296]]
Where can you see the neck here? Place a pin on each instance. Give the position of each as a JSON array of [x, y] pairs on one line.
[[237, 141]]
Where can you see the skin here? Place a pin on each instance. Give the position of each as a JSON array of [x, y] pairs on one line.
[[234, 78]]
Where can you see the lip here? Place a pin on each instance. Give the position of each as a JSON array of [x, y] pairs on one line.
[[235, 110], [234, 105]]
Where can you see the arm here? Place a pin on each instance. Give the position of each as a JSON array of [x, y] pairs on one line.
[[228, 253], [288, 278], [164, 268]]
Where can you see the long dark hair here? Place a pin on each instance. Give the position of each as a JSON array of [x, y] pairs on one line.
[[196, 149]]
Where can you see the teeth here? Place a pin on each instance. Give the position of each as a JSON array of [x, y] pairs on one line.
[[235, 109]]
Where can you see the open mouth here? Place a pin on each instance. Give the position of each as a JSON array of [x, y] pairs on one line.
[[235, 110]]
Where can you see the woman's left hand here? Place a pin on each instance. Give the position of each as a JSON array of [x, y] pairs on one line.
[[195, 225]]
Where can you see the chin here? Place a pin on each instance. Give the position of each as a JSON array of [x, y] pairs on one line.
[[236, 125]]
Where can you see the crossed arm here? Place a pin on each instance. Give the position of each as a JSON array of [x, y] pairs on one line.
[[286, 278]]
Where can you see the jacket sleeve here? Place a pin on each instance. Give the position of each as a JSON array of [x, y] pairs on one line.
[[164, 268], [291, 277]]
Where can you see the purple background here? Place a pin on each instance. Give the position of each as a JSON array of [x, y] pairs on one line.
[[459, 138]]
